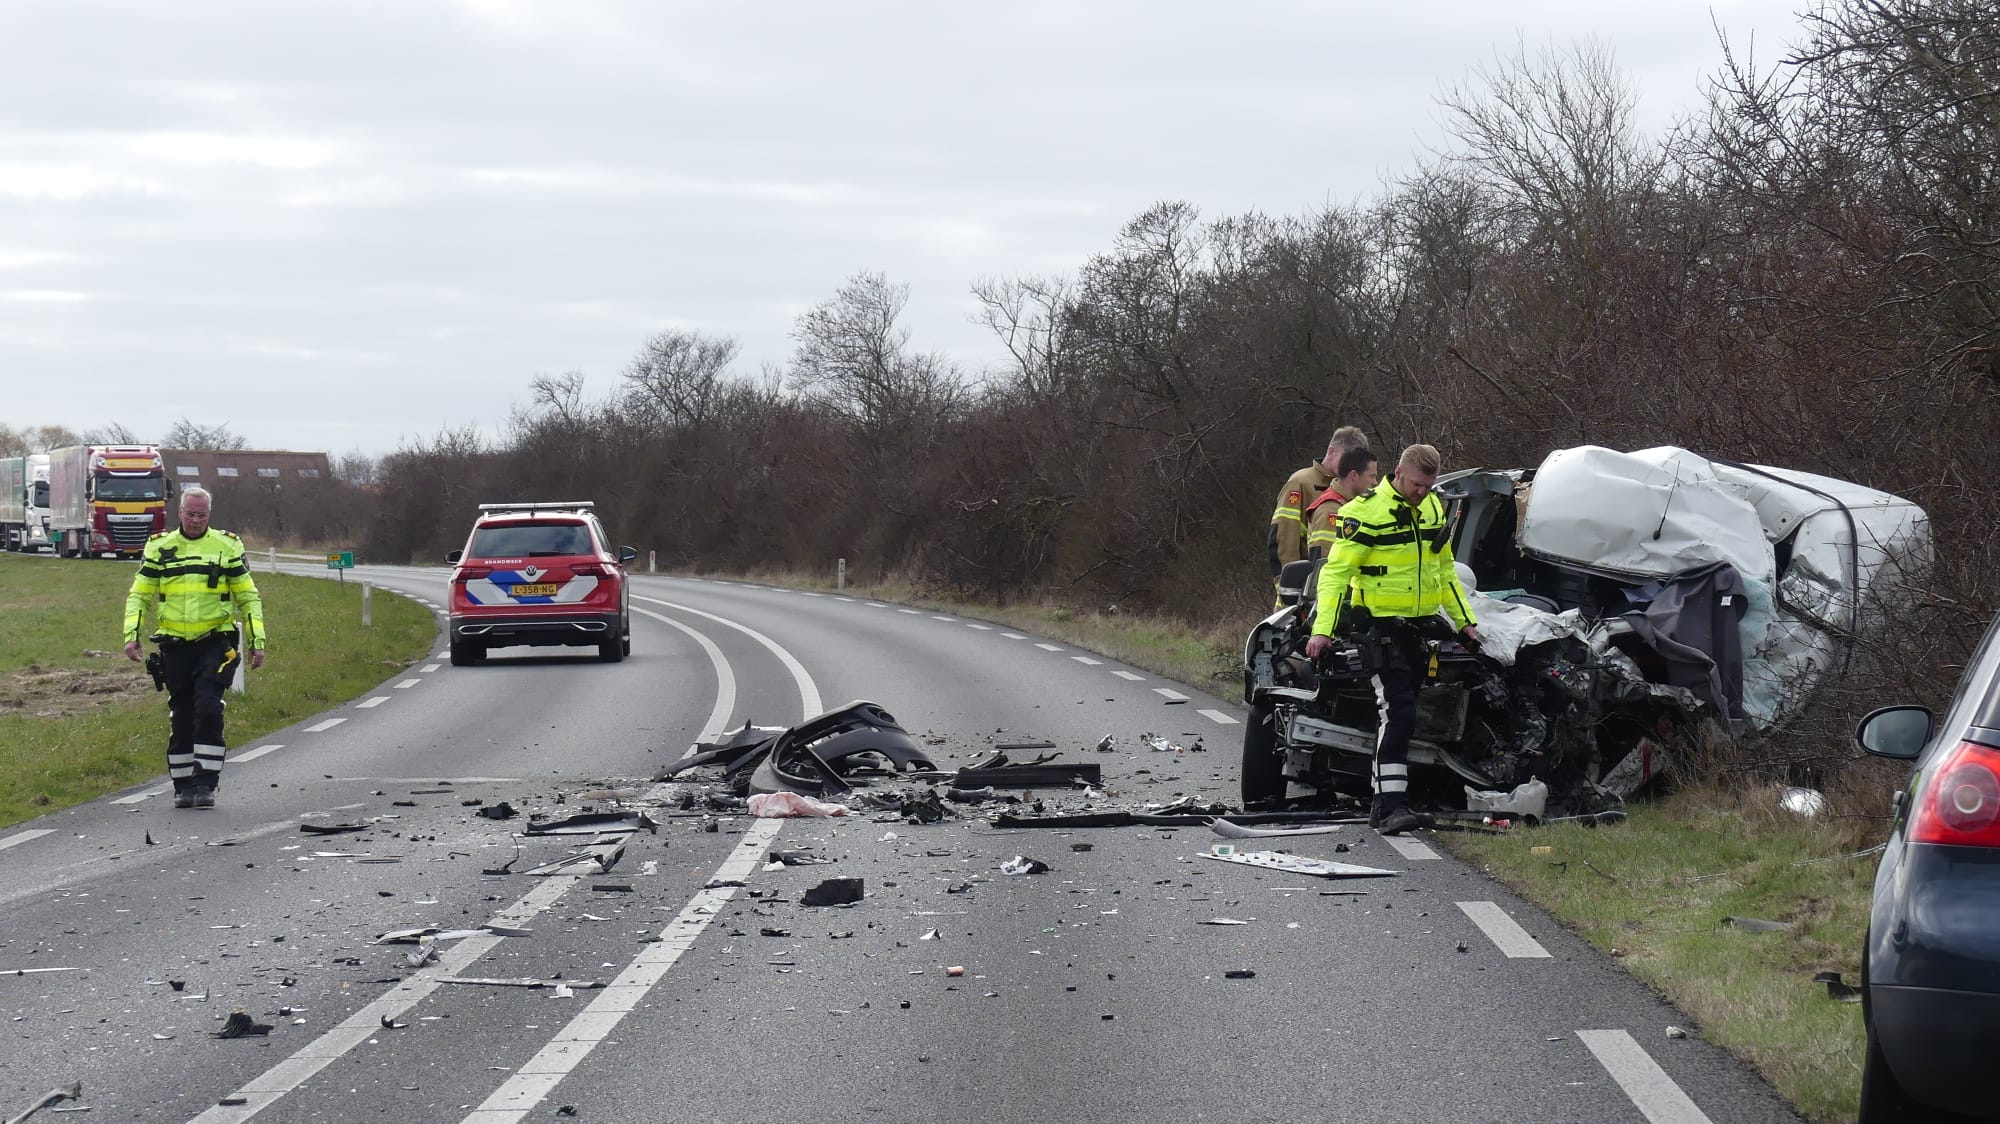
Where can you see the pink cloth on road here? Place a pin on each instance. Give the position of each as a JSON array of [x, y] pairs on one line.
[[774, 804]]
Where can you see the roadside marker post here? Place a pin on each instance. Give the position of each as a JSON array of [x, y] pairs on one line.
[[840, 575], [367, 597]]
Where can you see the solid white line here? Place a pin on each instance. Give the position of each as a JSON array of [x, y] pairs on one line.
[[1413, 849], [1087, 661], [1219, 717], [1129, 675], [1169, 693], [808, 692], [325, 726], [1641, 1077], [1049, 647], [145, 794], [23, 837], [1013, 636], [725, 680], [980, 627], [519, 1094], [370, 704], [427, 668], [1504, 931], [407, 684], [252, 754]]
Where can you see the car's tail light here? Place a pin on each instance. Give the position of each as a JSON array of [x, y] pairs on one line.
[[471, 573], [591, 570], [1960, 802]]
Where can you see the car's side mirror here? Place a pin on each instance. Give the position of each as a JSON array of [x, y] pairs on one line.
[[1898, 732], [454, 557], [627, 553]]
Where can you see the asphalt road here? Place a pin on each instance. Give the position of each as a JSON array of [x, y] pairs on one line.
[[1096, 991]]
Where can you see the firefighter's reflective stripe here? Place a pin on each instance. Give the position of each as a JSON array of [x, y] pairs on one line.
[[497, 589]]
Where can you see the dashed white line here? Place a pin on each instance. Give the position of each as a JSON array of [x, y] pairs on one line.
[[1641, 1077], [935, 617], [143, 795], [407, 684], [253, 754], [876, 605], [1169, 693], [1505, 932], [1219, 717], [849, 600], [1013, 636], [1049, 647], [912, 612], [809, 593], [980, 627], [22, 837], [1129, 675], [366, 704], [1087, 660], [1413, 849], [324, 726], [427, 668]]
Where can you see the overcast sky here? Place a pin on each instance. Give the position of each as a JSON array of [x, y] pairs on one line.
[[338, 226]]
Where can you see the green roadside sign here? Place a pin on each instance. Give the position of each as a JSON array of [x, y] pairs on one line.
[[340, 560]]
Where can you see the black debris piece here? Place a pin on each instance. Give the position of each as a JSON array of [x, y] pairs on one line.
[[997, 771], [1239, 974], [1021, 864], [500, 811], [591, 823], [1756, 924], [833, 891], [1837, 988], [1163, 818], [332, 828], [824, 755], [771, 932], [241, 1025], [1025, 745], [798, 858]]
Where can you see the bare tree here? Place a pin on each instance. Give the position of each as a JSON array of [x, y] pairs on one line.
[[854, 357], [112, 433], [679, 373], [190, 434]]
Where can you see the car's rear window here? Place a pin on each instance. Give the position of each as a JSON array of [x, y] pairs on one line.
[[529, 540]]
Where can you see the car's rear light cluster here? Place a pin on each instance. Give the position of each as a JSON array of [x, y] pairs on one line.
[[471, 573], [590, 570], [1960, 802]]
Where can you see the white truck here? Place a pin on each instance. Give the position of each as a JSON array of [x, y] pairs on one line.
[[24, 502]]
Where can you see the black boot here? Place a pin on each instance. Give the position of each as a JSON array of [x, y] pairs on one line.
[[204, 792], [183, 794], [1398, 820]]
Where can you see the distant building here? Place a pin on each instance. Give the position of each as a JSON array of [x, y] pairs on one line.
[[211, 468]]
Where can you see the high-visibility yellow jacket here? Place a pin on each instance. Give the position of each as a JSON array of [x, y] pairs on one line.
[[1394, 559], [199, 584], [1288, 523]]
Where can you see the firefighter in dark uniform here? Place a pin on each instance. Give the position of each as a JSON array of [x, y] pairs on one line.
[[1390, 573], [197, 577]]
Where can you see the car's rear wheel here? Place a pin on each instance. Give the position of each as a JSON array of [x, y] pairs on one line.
[[612, 650], [1883, 1098], [1263, 768], [465, 653]]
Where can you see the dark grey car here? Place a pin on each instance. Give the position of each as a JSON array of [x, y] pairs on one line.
[[1931, 964]]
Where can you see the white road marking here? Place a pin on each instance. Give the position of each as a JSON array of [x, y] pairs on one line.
[[1087, 661], [980, 627], [1648, 1086], [876, 605], [808, 593], [407, 684], [935, 617], [912, 612], [1220, 718], [22, 837], [369, 704], [325, 726], [808, 691], [429, 667], [145, 794], [253, 754], [1169, 693], [1413, 849], [1505, 932], [1013, 636], [1129, 675], [725, 680], [519, 1094], [849, 600], [1049, 647]]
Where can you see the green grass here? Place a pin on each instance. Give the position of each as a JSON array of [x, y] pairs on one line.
[[78, 720], [1652, 892]]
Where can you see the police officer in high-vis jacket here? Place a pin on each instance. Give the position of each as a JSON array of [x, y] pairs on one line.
[[1390, 573], [197, 577]]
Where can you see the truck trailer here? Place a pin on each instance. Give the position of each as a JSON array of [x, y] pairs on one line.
[[24, 502], [106, 499]]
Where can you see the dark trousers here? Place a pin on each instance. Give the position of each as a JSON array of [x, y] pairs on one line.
[[1400, 666], [196, 672]]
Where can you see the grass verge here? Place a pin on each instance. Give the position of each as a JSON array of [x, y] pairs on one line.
[[78, 720], [1651, 892]]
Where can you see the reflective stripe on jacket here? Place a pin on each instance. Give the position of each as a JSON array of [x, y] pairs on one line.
[[1323, 522], [195, 583], [1288, 522], [1393, 559]]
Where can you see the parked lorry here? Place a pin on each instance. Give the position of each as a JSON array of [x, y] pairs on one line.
[[24, 502], [106, 499]]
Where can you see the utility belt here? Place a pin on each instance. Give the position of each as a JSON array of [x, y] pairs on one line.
[[1395, 643], [170, 642]]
